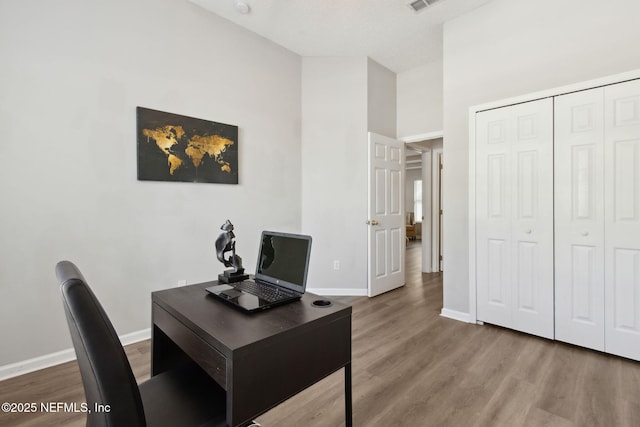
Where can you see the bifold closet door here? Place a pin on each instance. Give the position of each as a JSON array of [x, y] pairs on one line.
[[514, 217], [579, 218], [622, 219]]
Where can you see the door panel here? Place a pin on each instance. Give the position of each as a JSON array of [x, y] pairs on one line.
[[583, 177], [583, 301], [396, 248], [496, 186], [493, 217], [498, 287], [625, 290], [527, 193], [380, 190], [622, 219], [532, 221], [397, 188], [381, 253], [526, 280], [579, 218], [514, 217], [625, 183], [386, 214]]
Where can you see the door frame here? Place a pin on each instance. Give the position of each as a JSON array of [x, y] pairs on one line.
[[562, 90], [437, 214]]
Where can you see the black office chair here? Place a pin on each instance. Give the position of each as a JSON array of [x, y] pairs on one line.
[[186, 396]]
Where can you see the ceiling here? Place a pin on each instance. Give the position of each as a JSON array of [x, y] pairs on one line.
[[387, 31]]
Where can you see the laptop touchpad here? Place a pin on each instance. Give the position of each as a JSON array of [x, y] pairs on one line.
[[231, 294]]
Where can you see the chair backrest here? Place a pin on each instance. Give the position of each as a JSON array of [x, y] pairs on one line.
[[106, 374]]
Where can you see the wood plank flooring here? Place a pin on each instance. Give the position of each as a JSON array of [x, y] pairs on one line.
[[61, 383], [412, 367]]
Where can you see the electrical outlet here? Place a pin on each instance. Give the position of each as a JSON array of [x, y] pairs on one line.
[[182, 282], [336, 264]]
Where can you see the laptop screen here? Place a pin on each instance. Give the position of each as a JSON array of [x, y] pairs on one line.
[[284, 259]]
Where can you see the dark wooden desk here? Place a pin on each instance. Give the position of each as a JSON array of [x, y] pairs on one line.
[[260, 359]]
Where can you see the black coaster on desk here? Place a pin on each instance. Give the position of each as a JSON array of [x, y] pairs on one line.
[[322, 303]]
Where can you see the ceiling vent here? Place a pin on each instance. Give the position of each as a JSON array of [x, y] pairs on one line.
[[420, 5]]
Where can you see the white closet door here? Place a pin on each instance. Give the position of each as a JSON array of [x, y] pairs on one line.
[[622, 219], [579, 218], [493, 216], [514, 194], [532, 217]]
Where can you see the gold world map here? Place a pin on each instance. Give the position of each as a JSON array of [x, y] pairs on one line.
[[197, 148]]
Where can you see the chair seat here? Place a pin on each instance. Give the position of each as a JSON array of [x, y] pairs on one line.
[[183, 396]]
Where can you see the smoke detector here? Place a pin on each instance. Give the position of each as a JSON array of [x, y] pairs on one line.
[[242, 7], [420, 5]]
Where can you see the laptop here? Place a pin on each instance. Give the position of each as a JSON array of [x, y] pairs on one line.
[[281, 274]]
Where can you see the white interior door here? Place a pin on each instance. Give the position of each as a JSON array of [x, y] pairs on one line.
[[579, 218], [386, 214], [532, 216], [514, 217], [622, 219], [493, 216]]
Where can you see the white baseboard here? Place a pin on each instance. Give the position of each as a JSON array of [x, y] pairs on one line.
[[48, 360], [134, 337], [338, 292], [456, 315], [37, 363]]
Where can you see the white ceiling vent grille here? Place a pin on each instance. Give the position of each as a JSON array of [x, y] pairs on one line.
[[420, 5]]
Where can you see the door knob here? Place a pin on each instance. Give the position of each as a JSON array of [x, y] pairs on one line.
[[528, 231], [372, 222], [585, 233]]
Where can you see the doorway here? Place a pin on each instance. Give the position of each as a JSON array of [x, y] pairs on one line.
[[424, 162]]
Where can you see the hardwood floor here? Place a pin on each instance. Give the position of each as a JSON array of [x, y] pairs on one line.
[[62, 384], [412, 367]]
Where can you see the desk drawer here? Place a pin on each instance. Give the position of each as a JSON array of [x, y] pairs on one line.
[[207, 357]]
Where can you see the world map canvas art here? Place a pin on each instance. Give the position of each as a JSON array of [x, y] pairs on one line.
[[172, 147]]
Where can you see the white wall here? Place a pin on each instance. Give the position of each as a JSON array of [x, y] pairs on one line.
[[72, 75], [508, 48], [420, 100], [381, 99], [334, 170], [342, 99]]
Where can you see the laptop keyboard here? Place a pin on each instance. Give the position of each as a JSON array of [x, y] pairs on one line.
[[263, 291]]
